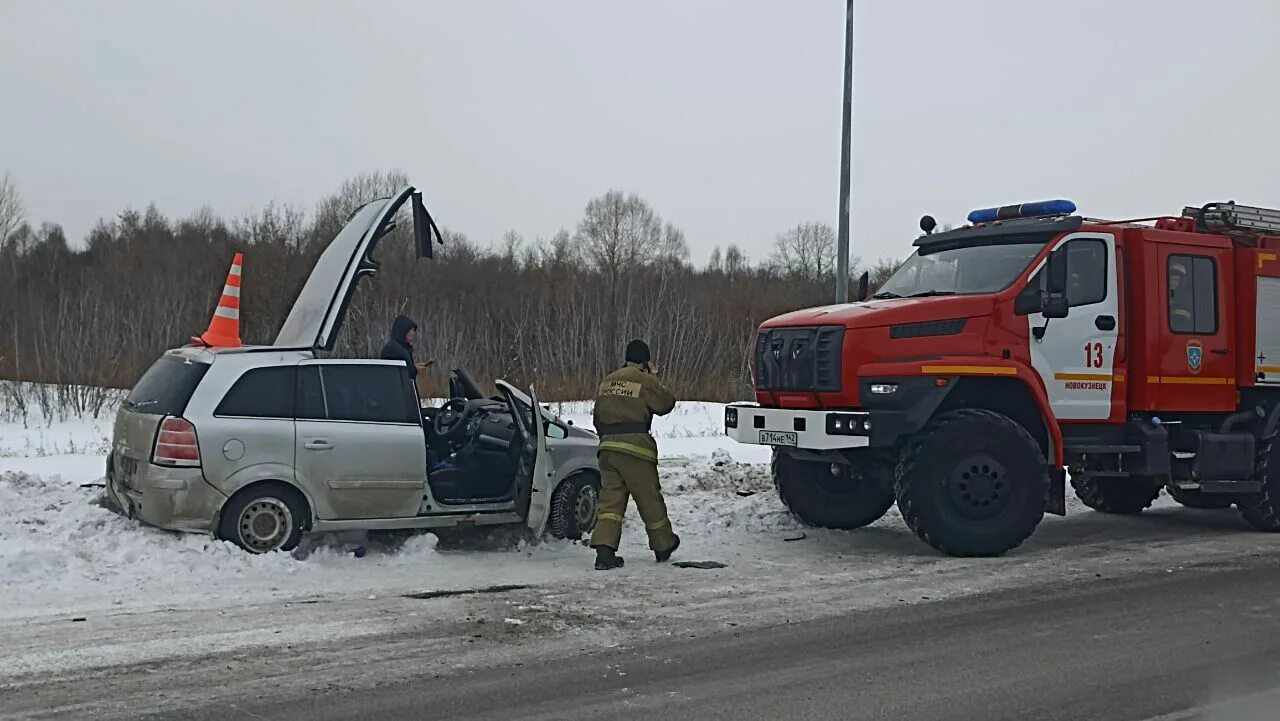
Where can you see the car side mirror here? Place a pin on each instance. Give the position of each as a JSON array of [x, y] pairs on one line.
[[864, 286]]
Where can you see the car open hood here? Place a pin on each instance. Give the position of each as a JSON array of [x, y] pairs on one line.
[[317, 314]]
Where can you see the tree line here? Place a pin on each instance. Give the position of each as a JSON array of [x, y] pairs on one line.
[[553, 312]]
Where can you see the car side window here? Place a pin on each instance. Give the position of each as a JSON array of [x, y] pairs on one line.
[[1193, 294], [368, 393], [310, 394], [260, 393]]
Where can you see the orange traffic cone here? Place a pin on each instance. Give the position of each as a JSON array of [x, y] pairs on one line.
[[224, 327]]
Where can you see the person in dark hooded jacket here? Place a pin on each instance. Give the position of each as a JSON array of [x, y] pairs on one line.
[[400, 345]]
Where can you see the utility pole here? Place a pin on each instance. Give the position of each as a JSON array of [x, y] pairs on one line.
[[842, 238]]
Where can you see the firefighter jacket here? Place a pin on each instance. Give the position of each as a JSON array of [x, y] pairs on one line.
[[626, 403]]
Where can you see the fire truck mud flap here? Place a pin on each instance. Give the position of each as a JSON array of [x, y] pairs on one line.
[[1056, 502]]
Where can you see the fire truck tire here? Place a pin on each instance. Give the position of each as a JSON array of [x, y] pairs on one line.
[[1262, 509], [1192, 498], [834, 496], [972, 483], [1114, 495]]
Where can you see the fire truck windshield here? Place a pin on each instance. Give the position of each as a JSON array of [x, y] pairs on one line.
[[972, 270]]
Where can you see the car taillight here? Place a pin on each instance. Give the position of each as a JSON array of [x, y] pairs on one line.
[[176, 444]]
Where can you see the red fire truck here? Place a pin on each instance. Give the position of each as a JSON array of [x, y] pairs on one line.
[[1138, 355]]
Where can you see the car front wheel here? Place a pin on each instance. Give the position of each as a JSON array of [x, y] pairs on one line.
[[573, 507]]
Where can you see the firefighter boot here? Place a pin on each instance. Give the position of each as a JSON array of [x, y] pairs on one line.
[[666, 555], [607, 558]]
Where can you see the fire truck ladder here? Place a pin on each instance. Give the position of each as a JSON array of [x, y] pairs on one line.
[[1229, 216]]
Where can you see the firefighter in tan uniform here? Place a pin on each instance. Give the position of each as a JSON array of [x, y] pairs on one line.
[[625, 405]]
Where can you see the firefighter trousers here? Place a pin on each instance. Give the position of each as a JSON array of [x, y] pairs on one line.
[[624, 476]]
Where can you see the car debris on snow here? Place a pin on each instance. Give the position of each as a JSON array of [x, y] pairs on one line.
[[698, 564]]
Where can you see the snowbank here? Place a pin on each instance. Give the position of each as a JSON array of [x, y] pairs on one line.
[[60, 550]]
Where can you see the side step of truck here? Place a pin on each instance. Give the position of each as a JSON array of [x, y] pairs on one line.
[[1220, 486]]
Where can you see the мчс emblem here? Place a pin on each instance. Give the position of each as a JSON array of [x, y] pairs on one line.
[[1195, 355]]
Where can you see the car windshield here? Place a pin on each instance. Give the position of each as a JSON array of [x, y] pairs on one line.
[[972, 270]]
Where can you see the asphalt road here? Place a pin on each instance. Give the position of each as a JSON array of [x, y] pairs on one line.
[[1188, 644]]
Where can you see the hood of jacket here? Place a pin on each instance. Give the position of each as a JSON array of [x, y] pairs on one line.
[[399, 327]]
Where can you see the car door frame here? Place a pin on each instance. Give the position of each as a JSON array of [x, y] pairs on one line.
[[542, 480]]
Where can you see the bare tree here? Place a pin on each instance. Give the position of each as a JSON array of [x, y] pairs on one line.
[[11, 210], [619, 234], [332, 212], [512, 242], [807, 251], [881, 271], [735, 261], [673, 250], [564, 307], [715, 264]]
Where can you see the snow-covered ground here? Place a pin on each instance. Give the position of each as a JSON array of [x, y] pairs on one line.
[[60, 552], [82, 588]]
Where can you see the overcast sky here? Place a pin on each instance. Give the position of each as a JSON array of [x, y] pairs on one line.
[[724, 114]]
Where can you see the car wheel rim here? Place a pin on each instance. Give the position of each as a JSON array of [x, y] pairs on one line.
[[978, 487], [584, 512], [265, 525]]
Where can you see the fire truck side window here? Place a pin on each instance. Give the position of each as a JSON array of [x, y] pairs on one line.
[[1193, 294], [1086, 277], [1087, 272]]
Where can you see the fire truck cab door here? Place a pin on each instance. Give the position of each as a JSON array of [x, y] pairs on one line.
[[1196, 356], [1075, 356]]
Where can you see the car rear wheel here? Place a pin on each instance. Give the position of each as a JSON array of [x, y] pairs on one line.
[[264, 518], [573, 507]]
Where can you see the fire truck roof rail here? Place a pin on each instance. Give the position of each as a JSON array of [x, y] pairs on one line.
[[1231, 217]]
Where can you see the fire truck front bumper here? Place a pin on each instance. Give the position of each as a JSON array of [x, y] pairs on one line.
[[820, 430]]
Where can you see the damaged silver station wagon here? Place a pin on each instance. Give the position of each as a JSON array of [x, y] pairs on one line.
[[258, 445]]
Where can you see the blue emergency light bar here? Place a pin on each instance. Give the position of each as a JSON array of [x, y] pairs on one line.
[[1038, 209]]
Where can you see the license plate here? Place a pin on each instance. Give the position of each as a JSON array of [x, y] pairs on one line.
[[126, 470], [778, 438]]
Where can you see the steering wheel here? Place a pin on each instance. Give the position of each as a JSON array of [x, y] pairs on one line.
[[449, 421]]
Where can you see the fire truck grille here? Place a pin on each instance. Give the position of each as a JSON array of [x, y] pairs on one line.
[[799, 359]]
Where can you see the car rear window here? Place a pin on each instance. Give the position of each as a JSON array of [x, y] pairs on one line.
[[166, 387], [260, 393]]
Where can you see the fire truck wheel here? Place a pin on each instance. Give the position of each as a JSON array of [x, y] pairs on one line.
[[1114, 495], [972, 483], [1192, 498], [1262, 509], [831, 495]]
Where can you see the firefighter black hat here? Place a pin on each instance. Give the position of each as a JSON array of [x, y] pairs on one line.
[[637, 352]]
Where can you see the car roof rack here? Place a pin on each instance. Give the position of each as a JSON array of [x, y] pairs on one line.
[[1231, 217]]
